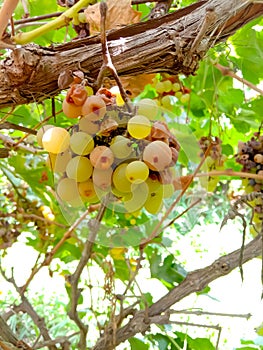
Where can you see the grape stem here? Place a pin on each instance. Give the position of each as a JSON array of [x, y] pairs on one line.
[[107, 65], [230, 172]]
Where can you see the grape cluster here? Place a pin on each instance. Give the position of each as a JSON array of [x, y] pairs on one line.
[[170, 89], [214, 160], [111, 151], [250, 156]]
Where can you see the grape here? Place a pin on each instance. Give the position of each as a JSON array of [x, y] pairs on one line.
[[88, 126], [70, 109], [41, 132], [116, 92], [94, 108], [258, 158], [168, 86], [102, 178], [101, 157], [167, 102], [139, 127], [121, 147], [87, 191], [148, 108], [159, 87], [138, 196], [168, 190], [157, 155], [179, 94], [81, 143], [185, 98], [67, 189], [154, 201], [153, 183], [176, 87], [58, 162], [119, 179], [79, 168], [137, 171], [56, 140]]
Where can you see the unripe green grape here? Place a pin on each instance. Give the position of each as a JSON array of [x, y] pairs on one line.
[[137, 171], [121, 147], [212, 184], [81, 143], [168, 86], [41, 132], [157, 155], [176, 87], [179, 94], [153, 184], [159, 87], [58, 162], [88, 126], [148, 108], [185, 98], [120, 180], [168, 190], [94, 108], [102, 157], [67, 189], [139, 127], [79, 168], [56, 140], [167, 102], [139, 195]]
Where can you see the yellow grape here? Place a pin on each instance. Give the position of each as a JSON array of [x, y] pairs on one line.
[[56, 140], [87, 191], [81, 143], [153, 184], [119, 179], [159, 87], [102, 178], [139, 127], [102, 157], [157, 155], [67, 189], [121, 147], [94, 108], [41, 132], [176, 87], [167, 102], [137, 171], [58, 162], [168, 190], [88, 126], [185, 98], [139, 195], [154, 202], [79, 168], [168, 86], [116, 92], [148, 108]]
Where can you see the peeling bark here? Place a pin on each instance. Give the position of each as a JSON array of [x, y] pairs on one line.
[[174, 43]]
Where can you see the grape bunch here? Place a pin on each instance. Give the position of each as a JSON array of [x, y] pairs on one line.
[[214, 160], [111, 151], [250, 156], [171, 89]]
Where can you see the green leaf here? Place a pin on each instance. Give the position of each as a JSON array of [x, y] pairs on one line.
[[137, 344]]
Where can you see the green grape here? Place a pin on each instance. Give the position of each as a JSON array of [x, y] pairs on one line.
[[86, 190], [137, 171], [154, 202], [157, 155], [167, 102], [139, 195], [121, 147], [168, 86], [41, 132], [81, 143], [176, 87], [159, 87], [179, 94], [212, 183], [139, 127], [168, 190], [79, 168], [88, 126], [148, 108], [185, 98], [209, 163], [153, 183], [94, 108], [102, 178], [67, 190], [119, 179], [102, 157], [56, 140], [58, 162]]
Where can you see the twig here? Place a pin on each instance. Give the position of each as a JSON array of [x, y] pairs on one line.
[[8, 125], [6, 11], [59, 340], [201, 313], [230, 172], [227, 71], [107, 65], [8, 141]]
